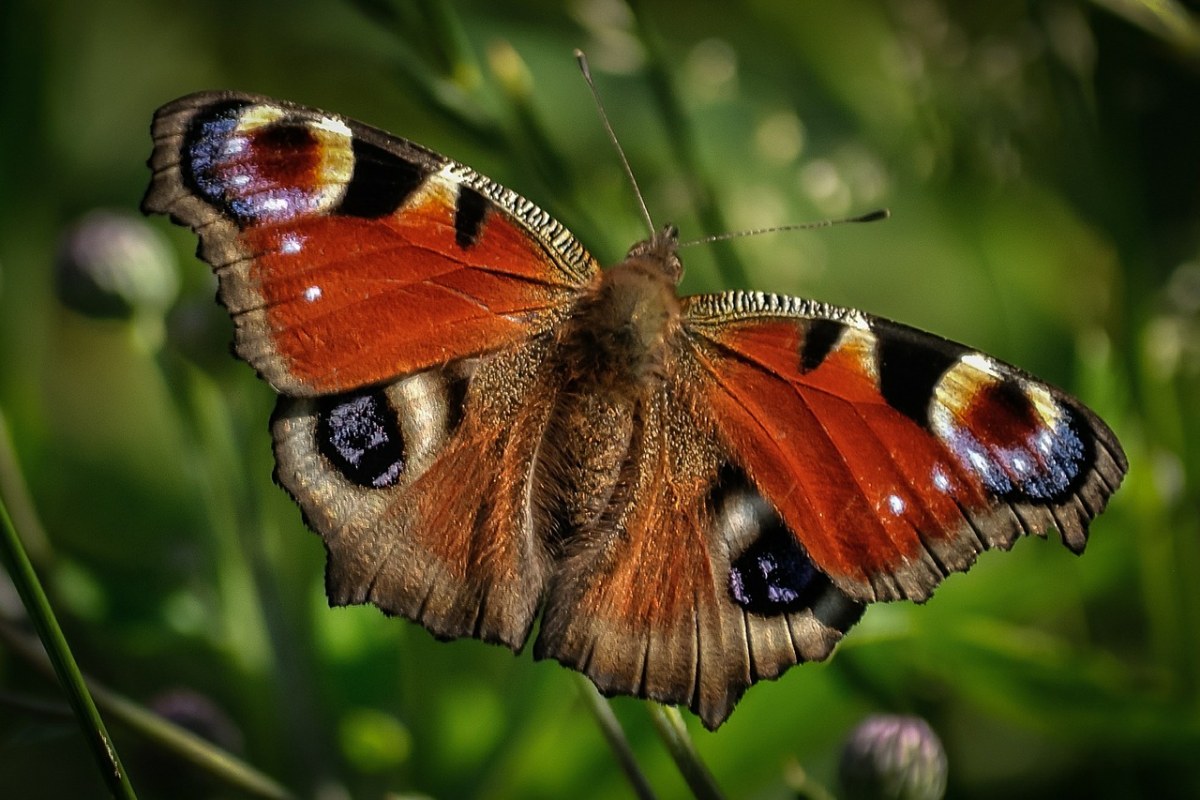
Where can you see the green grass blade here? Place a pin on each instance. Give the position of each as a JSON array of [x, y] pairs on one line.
[[48, 630], [218, 763]]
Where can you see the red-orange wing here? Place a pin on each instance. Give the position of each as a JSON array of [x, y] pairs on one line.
[[893, 456], [347, 256]]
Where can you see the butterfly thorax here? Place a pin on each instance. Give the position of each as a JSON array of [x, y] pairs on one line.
[[621, 330]]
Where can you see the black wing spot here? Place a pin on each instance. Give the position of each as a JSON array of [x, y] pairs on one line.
[[203, 150], [381, 182], [820, 335], [456, 401], [468, 216], [772, 574], [360, 436], [910, 365]]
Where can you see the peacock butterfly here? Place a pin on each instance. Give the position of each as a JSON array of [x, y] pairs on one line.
[[695, 493]]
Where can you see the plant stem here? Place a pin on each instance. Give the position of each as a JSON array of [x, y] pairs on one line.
[[213, 760], [615, 736], [59, 653], [673, 732]]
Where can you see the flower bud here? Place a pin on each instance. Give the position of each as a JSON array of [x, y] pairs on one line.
[[115, 265], [200, 715], [893, 757]]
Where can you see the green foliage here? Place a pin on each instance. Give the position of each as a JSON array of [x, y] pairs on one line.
[[1041, 167]]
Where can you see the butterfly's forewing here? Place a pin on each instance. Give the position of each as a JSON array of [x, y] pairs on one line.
[[401, 304], [347, 256], [893, 456]]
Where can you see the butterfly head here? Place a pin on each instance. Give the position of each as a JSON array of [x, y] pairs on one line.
[[661, 253]]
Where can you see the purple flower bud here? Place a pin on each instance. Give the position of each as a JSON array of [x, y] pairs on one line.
[[113, 265], [200, 715], [893, 757]]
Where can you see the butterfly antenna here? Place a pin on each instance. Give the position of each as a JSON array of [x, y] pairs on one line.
[[870, 216], [612, 137]]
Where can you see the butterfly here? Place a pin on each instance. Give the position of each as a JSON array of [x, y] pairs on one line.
[[486, 428]]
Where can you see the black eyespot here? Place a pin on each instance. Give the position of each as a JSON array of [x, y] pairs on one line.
[[773, 575], [359, 434], [204, 150]]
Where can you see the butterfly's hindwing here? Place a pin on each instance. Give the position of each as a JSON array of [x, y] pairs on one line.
[[421, 490], [694, 617]]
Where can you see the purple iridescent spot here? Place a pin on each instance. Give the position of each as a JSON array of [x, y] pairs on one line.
[[1041, 464], [773, 575], [267, 174], [208, 151], [360, 437]]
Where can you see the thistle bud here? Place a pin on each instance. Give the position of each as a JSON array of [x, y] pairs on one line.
[[114, 265], [200, 715], [893, 757]]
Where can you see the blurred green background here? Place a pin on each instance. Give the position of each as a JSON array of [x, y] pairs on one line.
[[1042, 165]]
